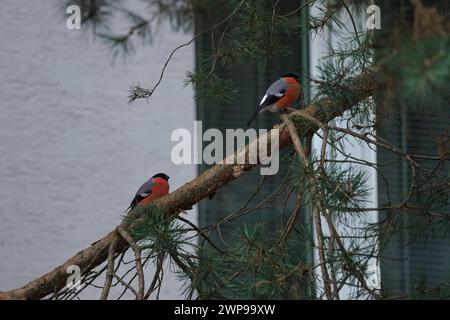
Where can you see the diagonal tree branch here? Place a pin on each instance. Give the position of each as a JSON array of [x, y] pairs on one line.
[[209, 182]]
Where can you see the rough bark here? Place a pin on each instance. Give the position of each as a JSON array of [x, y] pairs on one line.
[[200, 188]]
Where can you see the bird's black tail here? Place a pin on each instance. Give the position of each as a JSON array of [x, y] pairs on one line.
[[253, 117]]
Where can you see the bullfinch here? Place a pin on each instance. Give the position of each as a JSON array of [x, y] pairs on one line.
[[280, 96], [154, 188]]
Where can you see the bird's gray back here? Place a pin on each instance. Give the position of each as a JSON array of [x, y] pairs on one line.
[[278, 88], [145, 189]]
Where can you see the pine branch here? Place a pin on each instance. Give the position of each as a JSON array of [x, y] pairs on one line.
[[110, 270], [209, 182]]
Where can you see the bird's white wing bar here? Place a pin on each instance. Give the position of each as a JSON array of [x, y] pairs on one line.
[[263, 99]]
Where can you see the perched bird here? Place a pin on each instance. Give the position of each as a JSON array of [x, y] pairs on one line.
[[154, 188], [280, 96]]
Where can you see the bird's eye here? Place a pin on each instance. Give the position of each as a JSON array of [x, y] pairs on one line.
[[283, 91]]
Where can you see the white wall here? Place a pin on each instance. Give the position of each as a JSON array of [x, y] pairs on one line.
[[72, 151]]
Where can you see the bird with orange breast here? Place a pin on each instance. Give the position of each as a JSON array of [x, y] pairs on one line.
[[154, 188], [280, 96]]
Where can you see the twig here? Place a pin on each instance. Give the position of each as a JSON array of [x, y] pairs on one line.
[[126, 285], [110, 270], [294, 137], [349, 262], [191, 41], [316, 214], [137, 255], [321, 249], [323, 151], [201, 233], [293, 218], [156, 277]]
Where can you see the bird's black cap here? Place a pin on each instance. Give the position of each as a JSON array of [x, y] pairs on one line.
[[294, 75], [161, 175]]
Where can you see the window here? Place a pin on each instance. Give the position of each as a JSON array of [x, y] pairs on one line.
[[251, 82], [411, 259]]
